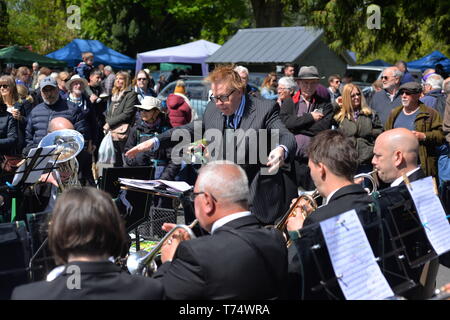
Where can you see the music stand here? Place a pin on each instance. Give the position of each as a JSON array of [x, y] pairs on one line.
[[406, 237], [318, 276], [38, 161]]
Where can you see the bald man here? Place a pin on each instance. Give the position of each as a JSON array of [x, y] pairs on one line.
[[239, 260], [395, 154], [59, 123]]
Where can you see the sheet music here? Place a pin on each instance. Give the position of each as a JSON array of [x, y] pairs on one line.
[[431, 214], [176, 186], [41, 164], [359, 276]]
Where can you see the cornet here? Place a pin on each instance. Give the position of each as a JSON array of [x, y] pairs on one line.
[[307, 202], [143, 263], [372, 177]]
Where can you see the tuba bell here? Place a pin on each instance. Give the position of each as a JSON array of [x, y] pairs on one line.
[[143, 263], [67, 145]]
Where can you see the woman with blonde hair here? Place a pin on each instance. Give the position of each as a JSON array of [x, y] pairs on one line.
[[269, 87], [120, 113], [15, 106], [358, 122]]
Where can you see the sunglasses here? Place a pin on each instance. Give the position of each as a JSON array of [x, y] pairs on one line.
[[141, 79], [408, 93], [358, 94], [223, 98], [4, 86]]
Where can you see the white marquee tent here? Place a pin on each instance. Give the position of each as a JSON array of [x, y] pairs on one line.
[[193, 52]]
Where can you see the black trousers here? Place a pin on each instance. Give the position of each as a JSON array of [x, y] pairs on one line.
[[303, 174]]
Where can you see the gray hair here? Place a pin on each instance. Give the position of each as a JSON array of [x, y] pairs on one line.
[[232, 188], [108, 68], [240, 69], [287, 82], [397, 73], [435, 81]]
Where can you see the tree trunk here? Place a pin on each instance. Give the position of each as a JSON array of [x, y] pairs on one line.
[[267, 13]]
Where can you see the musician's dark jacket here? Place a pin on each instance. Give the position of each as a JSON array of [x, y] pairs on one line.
[[270, 195], [225, 266], [347, 198], [99, 281], [141, 132]]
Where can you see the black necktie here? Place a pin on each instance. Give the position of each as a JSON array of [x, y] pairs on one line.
[[230, 123]]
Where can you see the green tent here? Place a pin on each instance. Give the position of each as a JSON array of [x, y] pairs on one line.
[[22, 56]]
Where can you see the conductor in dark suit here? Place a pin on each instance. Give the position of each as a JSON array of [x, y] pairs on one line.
[[240, 259], [244, 130], [333, 163], [85, 231]]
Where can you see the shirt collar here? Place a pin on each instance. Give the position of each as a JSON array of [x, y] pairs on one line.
[[399, 180], [222, 221], [330, 195], [238, 113]]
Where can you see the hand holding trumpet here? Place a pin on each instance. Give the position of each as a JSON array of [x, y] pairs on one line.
[[302, 210], [171, 244]]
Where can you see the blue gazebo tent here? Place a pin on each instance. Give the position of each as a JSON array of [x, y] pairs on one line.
[[430, 61], [71, 53]]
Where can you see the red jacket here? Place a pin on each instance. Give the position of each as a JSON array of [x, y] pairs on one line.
[[179, 111]]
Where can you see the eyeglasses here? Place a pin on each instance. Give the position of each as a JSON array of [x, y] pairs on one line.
[[385, 77], [195, 194], [358, 94], [280, 88], [4, 86], [223, 98], [408, 93], [141, 79], [337, 81]]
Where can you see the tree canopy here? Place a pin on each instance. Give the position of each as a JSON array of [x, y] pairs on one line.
[[408, 30]]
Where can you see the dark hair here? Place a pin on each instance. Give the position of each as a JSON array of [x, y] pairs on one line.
[[334, 76], [287, 65], [336, 151], [85, 221], [96, 72]]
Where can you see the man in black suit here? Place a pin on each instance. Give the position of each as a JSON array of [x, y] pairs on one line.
[[86, 229], [242, 129], [241, 259], [395, 156], [333, 162]]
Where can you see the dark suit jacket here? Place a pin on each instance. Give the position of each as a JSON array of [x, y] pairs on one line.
[[345, 199], [251, 264], [99, 280], [270, 195]]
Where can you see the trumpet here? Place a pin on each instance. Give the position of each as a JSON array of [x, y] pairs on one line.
[[372, 177], [307, 201], [143, 262]]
